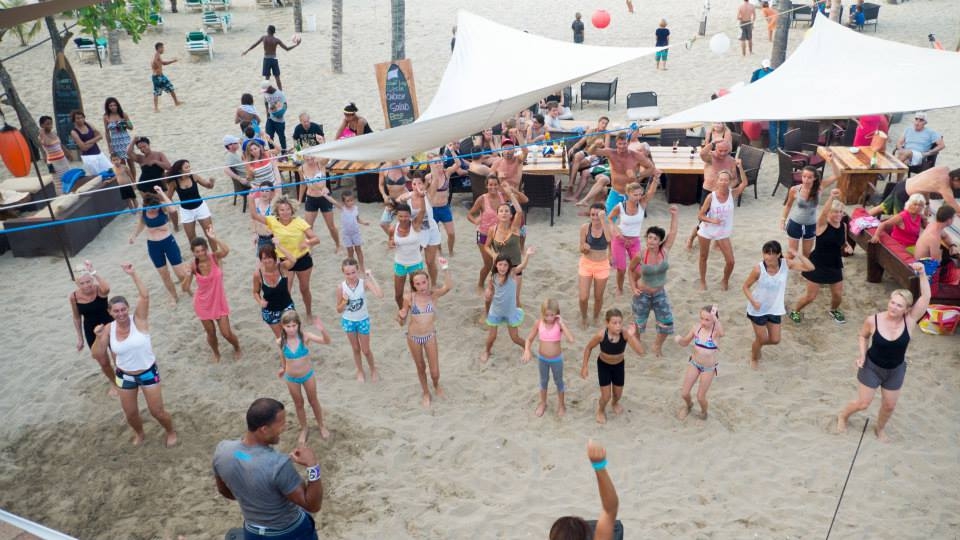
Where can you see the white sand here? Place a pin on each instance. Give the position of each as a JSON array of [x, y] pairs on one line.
[[479, 464]]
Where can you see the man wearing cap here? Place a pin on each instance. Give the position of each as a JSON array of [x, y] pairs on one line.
[[234, 167], [276, 108], [275, 501], [270, 63], [918, 142]]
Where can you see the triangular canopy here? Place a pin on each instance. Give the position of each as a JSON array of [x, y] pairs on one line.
[[839, 73], [494, 72]]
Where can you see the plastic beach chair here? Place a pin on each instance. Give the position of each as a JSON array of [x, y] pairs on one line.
[[199, 43]]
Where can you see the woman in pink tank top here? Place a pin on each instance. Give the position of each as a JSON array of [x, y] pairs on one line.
[[906, 226]]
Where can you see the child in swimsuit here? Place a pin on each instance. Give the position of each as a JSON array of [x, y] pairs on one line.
[[550, 329], [703, 363], [613, 340], [418, 304], [296, 369], [501, 294]]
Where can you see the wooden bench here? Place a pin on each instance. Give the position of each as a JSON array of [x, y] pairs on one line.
[[889, 256]]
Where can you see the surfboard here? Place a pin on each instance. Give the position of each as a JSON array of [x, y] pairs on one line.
[[66, 98]]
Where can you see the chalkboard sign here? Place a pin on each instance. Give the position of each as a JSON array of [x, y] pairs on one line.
[[66, 98], [398, 95]]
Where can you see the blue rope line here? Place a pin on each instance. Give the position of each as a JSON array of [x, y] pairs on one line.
[[244, 193]]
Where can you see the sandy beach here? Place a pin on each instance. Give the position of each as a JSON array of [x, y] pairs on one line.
[[478, 464]]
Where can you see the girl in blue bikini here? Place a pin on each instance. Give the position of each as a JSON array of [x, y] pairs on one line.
[[296, 368], [703, 361]]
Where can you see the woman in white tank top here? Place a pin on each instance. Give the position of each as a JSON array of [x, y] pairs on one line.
[[716, 223], [765, 302], [404, 239], [628, 217], [129, 339]]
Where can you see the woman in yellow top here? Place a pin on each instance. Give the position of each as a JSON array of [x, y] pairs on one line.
[[297, 237]]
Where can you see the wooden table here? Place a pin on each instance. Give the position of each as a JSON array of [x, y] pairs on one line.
[[365, 174], [855, 171], [550, 165], [685, 172]]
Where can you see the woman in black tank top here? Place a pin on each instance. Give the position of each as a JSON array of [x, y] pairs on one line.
[[89, 305], [883, 363], [186, 184]]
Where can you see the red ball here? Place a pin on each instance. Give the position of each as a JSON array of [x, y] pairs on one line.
[[601, 18]]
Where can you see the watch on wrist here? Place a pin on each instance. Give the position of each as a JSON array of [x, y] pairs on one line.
[[313, 473]]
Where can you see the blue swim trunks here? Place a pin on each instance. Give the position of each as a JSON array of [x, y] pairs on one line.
[[613, 199]]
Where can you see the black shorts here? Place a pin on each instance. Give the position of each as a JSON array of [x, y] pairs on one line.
[[318, 203], [303, 263], [126, 192], [271, 65], [610, 373], [763, 320]]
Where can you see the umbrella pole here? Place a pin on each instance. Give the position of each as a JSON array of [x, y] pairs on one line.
[[56, 229]]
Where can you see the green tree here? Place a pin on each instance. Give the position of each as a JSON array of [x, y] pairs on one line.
[[132, 16], [24, 31], [336, 47]]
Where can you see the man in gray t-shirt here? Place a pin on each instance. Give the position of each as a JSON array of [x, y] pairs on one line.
[[273, 498], [234, 167]]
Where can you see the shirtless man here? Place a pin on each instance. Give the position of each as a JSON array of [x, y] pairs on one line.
[[927, 250], [935, 180], [509, 166], [161, 83], [270, 62], [746, 14], [716, 157], [626, 165]]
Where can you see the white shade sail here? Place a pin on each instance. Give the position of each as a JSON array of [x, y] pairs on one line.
[[836, 73], [492, 74]]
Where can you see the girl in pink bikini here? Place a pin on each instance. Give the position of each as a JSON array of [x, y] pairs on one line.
[[550, 328], [210, 299]]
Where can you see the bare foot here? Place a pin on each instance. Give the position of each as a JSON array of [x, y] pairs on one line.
[[683, 411], [754, 363], [618, 292], [425, 401], [360, 376], [601, 417], [703, 285], [439, 391], [541, 408], [561, 411], [137, 439], [581, 203], [617, 408], [216, 358], [841, 424], [170, 440], [702, 415], [690, 244], [113, 392], [374, 375], [484, 357], [583, 323], [178, 103], [724, 284], [658, 349], [172, 301], [324, 433], [881, 435], [237, 354], [302, 437]]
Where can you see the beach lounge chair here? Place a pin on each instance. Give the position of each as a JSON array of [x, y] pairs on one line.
[[200, 43], [598, 91], [89, 47], [219, 4], [213, 21], [642, 106], [267, 3], [156, 22], [197, 5]]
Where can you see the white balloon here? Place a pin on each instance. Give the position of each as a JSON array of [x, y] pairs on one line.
[[719, 43]]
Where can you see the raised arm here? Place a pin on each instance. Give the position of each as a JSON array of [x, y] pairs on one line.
[[737, 191], [919, 308], [524, 260], [142, 311], [252, 203], [447, 279], [825, 211], [371, 283], [609, 501], [674, 226]]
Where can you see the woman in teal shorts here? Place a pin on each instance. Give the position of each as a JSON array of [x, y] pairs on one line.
[[405, 241]]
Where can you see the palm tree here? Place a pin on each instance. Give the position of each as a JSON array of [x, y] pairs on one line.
[[397, 31], [779, 53], [24, 31], [298, 15], [113, 46], [336, 48]]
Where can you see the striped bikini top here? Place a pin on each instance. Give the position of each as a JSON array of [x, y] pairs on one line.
[[54, 151]]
